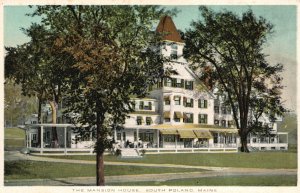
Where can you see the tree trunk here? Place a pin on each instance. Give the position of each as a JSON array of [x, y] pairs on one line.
[[100, 169], [100, 150], [244, 147], [54, 130]]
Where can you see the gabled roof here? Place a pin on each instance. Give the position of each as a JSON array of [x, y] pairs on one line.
[[167, 27]]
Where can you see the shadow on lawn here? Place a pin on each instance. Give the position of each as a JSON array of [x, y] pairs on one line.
[[14, 168]]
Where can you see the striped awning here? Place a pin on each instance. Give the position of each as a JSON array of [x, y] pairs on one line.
[[187, 134], [168, 132], [203, 134], [167, 114], [178, 114]]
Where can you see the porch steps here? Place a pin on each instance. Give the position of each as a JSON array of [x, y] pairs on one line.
[[130, 153]]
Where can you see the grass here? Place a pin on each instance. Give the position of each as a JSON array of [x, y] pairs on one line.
[[43, 170], [14, 138], [247, 160], [14, 133], [14, 143], [280, 180]]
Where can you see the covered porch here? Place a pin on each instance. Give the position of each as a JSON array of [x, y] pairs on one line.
[[278, 141], [39, 140], [169, 138]]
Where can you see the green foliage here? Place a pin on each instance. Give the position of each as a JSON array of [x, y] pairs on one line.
[[228, 50], [109, 53], [113, 57], [17, 108]]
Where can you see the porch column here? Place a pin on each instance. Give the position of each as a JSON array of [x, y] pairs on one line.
[[65, 139], [42, 139], [29, 139], [115, 134], [137, 134], [157, 140]]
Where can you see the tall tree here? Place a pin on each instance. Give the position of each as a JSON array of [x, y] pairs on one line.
[[40, 68], [115, 55], [229, 50]]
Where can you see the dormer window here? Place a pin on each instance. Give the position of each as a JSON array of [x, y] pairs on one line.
[[148, 107], [141, 105], [189, 85]]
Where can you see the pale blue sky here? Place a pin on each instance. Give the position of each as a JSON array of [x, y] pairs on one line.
[[281, 47]]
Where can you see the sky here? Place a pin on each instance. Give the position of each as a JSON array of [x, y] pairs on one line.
[[281, 46]]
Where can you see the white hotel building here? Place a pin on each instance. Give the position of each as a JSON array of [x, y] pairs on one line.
[[179, 115]]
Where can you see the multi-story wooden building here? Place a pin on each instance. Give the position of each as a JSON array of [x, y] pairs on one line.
[[179, 114]]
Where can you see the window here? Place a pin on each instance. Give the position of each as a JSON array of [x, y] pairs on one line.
[[188, 117], [139, 120], [223, 123], [167, 119], [202, 118], [141, 105], [159, 83], [34, 137], [124, 136], [202, 103], [177, 119], [174, 48], [230, 123], [118, 136], [216, 108], [228, 110], [133, 105], [147, 137], [148, 107], [217, 122], [134, 136], [177, 83], [216, 138], [189, 85], [177, 100], [169, 138], [168, 82], [47, 135], [167, 100], [223, 110], [188, 102], [149, 121]]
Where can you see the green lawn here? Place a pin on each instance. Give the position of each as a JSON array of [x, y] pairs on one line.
[[14, 138], [34, 169], [221, 181], [14, 133], [247, 160]]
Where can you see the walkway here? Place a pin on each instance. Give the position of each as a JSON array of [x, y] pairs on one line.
[[84, 181]]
